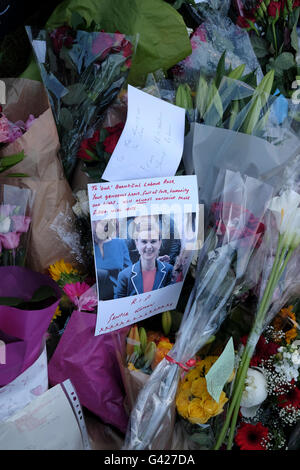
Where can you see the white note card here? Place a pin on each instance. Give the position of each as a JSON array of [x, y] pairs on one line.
[[151, 144]]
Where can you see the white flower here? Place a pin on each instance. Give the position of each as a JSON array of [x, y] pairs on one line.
[[83, 201], [77, 209], [4, 225], [255, 391], [81, 195], [287, 215]]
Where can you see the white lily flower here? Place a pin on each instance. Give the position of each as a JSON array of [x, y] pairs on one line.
[[4, 225], [255, 391], [287, 215]]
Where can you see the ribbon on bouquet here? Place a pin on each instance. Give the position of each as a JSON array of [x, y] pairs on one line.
[[190, 363]]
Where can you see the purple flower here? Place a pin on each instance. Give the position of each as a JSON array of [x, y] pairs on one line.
[[10, 240]]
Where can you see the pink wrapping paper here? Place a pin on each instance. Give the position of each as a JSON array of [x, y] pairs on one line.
[[90, 363], [22, 330]]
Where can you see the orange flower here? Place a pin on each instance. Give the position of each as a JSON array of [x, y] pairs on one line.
[[163, 348], [286, 322]]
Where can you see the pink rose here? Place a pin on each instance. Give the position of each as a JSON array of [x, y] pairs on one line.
[[21, 223], [10, 240], [4, 129]]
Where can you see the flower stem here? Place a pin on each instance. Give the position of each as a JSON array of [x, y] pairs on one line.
[[281, 260]]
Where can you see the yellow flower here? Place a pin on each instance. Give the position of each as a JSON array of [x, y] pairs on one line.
[[131, 366], [57, 313], [205, 364], [59, 267], [182, 402], [199, 389], [197, 414], [185, 385], [192, 375], [214, 408]]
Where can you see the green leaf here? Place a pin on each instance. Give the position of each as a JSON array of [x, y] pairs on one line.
[[43, 293], [220, 72], [76, 95], [77, 21], [11, 160], [10, 301], [66, 119], [260, 46], [284, 61], [294, 36], [17, 175], [163, 37], [237, 73]]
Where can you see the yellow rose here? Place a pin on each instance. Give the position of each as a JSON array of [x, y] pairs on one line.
[[185, 385], [182, 402], [214, 408], [205, 364], [196, 412], [198, 388], [192, 375]]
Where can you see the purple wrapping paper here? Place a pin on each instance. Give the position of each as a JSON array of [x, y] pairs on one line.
[[22, 330], [90, 363]]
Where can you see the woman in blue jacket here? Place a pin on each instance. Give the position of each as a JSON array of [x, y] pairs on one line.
[[111, 257], [148, 273]]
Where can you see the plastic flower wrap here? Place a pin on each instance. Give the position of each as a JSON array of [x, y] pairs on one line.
[[270, 406], [271, 26], [15, 219], [83, 72], [234, 233], [230, 115], [95, 151], [275, 270]]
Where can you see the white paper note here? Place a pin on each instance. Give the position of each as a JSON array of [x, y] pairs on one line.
[[25, 388], [47, 423], [151, 143]]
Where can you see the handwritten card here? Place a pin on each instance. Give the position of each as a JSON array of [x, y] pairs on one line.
[[25, 388], [220, 371], [53, 421], [145, 233], [151, 143]]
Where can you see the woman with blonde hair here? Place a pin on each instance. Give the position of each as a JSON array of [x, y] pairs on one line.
[[148, 273]]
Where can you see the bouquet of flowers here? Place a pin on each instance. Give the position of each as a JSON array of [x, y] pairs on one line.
[[272, 28], [233, 235], [9, 132], [15, 219], [276, 264], [95, 152], [83, 73]]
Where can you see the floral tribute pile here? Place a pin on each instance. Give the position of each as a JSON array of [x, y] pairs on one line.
[[222, 370]]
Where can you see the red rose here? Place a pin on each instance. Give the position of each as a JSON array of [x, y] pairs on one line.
[[88, 145], [112, 139], [243, 22], [237, 223], [62, 36], [273, 8], [296, 4], [110, 142]]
